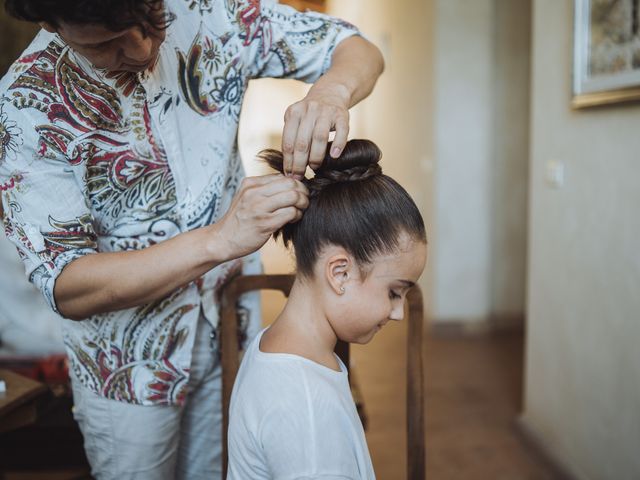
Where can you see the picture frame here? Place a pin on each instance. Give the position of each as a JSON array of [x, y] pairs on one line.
[[606, 56]]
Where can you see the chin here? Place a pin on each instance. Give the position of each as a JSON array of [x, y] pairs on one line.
[[134, 69], [140, 68], [360, 339]]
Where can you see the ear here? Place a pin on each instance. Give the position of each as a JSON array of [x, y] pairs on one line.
[[48, 27], [338, 271]]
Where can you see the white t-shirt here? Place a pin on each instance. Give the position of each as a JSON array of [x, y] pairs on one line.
[[292, 418]]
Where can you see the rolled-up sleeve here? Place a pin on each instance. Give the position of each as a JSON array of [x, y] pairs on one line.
[[45, 212], [284, 43]]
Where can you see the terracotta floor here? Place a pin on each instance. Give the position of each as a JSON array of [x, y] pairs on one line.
[[473, 398]]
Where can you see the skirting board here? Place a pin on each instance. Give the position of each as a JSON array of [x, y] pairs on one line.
[[466, 327], [533, 441]]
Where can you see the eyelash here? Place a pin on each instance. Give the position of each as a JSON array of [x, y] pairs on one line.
[[393, 295]]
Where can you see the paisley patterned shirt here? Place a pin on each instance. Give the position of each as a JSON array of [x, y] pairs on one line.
[[98, 162]]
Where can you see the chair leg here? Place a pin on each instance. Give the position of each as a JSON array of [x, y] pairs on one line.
[[416, 454]]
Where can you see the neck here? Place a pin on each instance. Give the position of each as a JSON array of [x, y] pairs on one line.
[[302, 328]]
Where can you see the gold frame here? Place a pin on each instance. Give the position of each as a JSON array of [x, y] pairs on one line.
[[581, 99], [607, 97]]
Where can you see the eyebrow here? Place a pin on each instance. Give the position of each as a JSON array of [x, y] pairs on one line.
[[406, 283], [97, 44]]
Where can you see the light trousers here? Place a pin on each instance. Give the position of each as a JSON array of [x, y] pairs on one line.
[[124, 441]]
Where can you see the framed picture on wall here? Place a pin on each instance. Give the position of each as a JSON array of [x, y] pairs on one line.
[[606, 57]]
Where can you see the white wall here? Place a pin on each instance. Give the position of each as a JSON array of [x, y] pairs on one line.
[[481, 124], [510, 157], [463, 112], [582, 395]]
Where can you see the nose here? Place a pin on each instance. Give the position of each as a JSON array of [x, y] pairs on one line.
[[137, 46]]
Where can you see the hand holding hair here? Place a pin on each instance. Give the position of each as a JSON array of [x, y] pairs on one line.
[[356, 64], [307, 127], [359, 160], [261, 206]]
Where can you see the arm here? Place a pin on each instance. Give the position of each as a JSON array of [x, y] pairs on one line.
[[113, 281], [356, 65]]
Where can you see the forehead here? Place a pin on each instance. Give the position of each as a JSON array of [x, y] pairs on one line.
[[89, 32]]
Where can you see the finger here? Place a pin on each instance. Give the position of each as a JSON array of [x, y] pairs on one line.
[[342, 133], [283, 184], [280, 200], [289, 133], [253, 182], [320, 138], [283, 216], [302, 145]]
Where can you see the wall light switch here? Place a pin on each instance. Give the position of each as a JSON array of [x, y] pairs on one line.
[[555, 174]]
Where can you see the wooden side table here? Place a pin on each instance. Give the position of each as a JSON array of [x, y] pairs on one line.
[[18, 402]]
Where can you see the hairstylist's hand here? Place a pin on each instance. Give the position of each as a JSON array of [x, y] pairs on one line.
[[261, 206], [307, 124]]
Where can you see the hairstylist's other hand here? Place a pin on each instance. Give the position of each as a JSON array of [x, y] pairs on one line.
[[261, 206], [307, 124]]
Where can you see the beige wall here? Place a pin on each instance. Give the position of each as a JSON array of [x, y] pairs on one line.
[[463, 119], [481, 143], [583, 362], [510, 157]]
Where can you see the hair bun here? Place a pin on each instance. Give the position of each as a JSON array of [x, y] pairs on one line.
[[352, 174], [358, 161], [356, 153]]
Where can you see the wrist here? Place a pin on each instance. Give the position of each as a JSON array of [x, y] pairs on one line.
[[217, 248], [334, 91]]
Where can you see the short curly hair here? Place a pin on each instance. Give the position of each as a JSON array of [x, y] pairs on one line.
[[116, 15]]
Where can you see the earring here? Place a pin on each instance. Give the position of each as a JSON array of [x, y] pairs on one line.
[[341, 290]]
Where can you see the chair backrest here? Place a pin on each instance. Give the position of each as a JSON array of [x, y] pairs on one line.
[[230, 352]]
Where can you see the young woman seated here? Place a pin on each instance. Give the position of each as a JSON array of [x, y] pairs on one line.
[[359, 247]]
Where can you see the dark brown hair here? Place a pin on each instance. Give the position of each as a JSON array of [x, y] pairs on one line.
[[115, 15], [351, 204]]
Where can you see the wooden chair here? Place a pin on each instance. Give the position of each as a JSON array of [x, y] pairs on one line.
[[415, 374]]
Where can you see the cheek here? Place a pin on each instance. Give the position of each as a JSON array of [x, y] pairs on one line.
[[372, 302], [107, 59], [358, 316]]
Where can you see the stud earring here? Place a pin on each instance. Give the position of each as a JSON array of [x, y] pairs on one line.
[[341, 290]]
